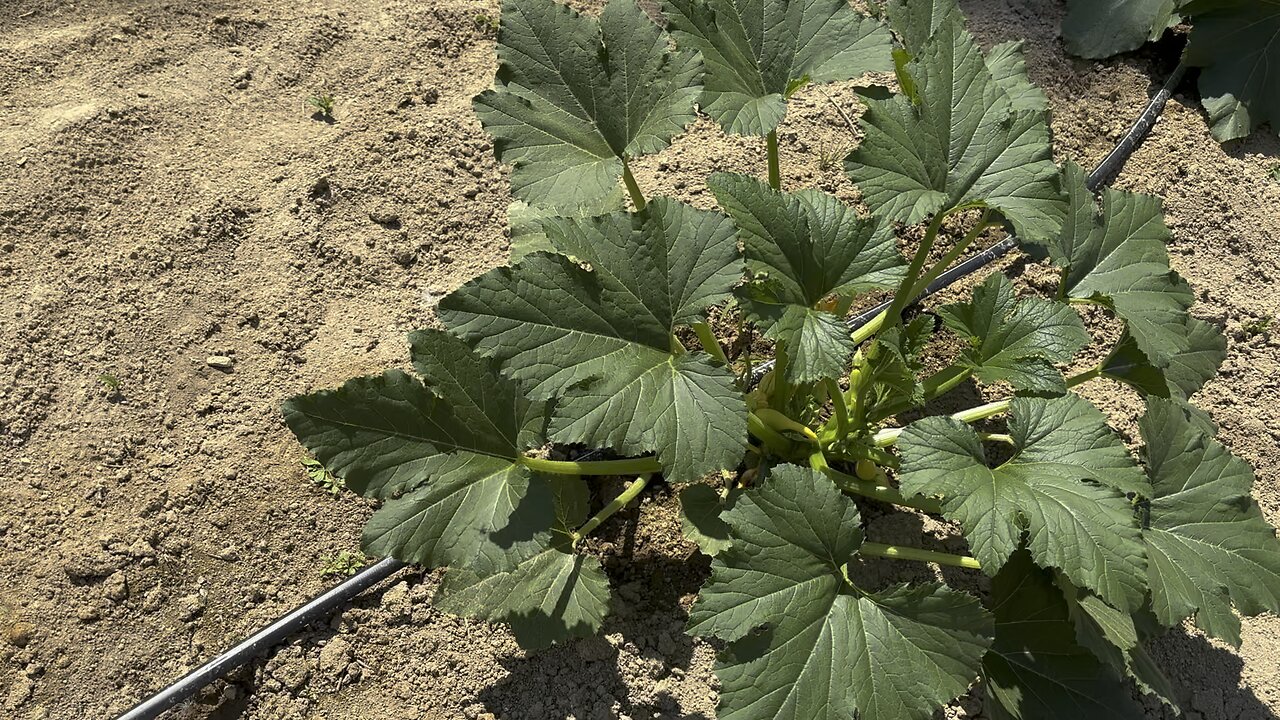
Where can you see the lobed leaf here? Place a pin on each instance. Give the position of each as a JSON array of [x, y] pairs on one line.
[[1209, 546], [1117, 258], [1114, 638], [550, 597], [806, 644], [1236, 43], [758, 51], [1036, 670], [1087, 529], [575, 96], [449, 469], [894, 363], [1017, 341], [957, 140], [803, 248], [1102, 28], [599, 340], [1009, 70], [700, 509], [1187, 370], [525, 221], [916, 21], [543, 590]]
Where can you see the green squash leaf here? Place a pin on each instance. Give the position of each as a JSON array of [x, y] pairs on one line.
[[804, 643], [575, 96], [1009, 70], [449, 469], [1087, 529], [542, 589], [1209, 546], [599, 341], [1036, 670], [756, 51], [1114, 638], [1118, 259], [1187, 370], [548, 598], [700, 509], [1102, 28], [803, 248], [1237, 45], [525, 221], [963, 144], [1017, 341], [916, 21], [895, 362]]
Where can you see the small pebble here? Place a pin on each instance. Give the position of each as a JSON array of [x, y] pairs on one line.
[[219, 362], [19, 634]]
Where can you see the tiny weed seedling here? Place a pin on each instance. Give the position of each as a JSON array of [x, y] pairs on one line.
[[599, 335], [109, 381], [322, 104], [344, 564], [831, 155], [1258, 326], [320, 476], [485, 23]]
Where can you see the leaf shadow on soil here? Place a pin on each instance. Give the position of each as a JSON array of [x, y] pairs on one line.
[[586, 678], [1211, 676], [642, 639]]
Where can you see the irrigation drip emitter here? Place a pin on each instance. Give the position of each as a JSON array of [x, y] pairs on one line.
[[324, 605]]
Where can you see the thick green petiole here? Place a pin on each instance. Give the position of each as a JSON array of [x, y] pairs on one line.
[[630, 466], [871, 489], [633, 188], [633, 490], [889, 436], [775, 171], [895, 552], [1084, 377], [903, 295], [777, 444], [952, 255], [871, 328], [778, 421], [945, 380], [709, 342], [839, 410]]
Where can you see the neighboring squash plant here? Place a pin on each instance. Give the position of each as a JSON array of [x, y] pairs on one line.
[[604, 335], [1235, 43]]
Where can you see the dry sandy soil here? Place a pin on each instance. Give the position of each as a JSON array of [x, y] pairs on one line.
[[165, 196]]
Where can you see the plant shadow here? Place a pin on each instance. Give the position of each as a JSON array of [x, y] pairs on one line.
[[1210, 676], [637, 664]]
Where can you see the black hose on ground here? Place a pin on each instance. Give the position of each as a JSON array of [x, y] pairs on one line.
[[318, 608], [324, 605]]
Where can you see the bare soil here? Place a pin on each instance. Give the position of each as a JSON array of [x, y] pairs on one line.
[[166, 196]]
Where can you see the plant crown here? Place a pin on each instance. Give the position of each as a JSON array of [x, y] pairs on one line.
[[602, 334]]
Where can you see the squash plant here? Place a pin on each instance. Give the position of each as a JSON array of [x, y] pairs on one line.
[[599, 336]]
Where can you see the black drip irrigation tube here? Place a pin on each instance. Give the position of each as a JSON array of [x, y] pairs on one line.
[[332, 600]]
